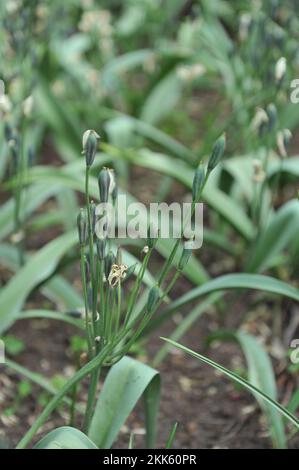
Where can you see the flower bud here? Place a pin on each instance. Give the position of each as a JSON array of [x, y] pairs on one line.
[[272, 115], [101, 248], [217, 153], [153, 297], [106, 184], [82, 227], [198, 182], [283, 140], [90, 145]]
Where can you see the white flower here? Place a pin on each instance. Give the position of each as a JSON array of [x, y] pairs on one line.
[[187, 73], [5, 104], [261, 117], [283, 138], [280, 69], [27, 106]]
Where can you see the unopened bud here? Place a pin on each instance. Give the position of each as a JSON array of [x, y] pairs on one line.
[[272, 115], [217, 152], [198, 182], [101, 248], [106, 184], [283, 140], [90, 145], [82, 226]]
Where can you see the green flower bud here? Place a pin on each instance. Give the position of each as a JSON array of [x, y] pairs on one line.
[[153, 297], [101, 248], [90, 145], [217, 152], [272, 115], [82, 223], [198, 182], [106, 184]]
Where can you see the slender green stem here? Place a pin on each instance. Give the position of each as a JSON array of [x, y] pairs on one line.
[[73, 406], [85, 295], [91, 399]]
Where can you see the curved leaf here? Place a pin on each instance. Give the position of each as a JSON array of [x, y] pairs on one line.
[[281, 230], [65, 438], [228, 282], [126, 382]]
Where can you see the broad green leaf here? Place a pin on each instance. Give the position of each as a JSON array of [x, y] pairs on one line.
[[36, 270], [168, 92], [57, 289], [240, 380], [231, 282], [113, 70], [58, 119], [34, 197], [126, 381], [65, 438]]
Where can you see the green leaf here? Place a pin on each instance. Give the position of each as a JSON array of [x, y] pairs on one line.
[[36, 270], [51, 315], [168, 92], [126, 382], [229, 282], [57, 289], [114, 69], [281, 230], [240, 380], [65, 438], [35, 196], [55, 115]]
